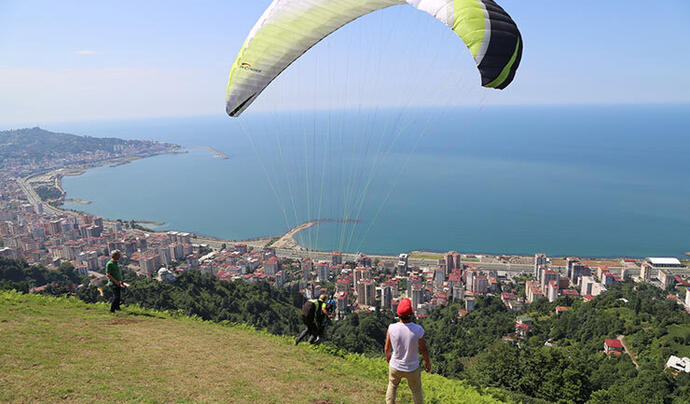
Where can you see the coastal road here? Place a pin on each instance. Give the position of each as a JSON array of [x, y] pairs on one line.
[[420, 262], [34, 199]]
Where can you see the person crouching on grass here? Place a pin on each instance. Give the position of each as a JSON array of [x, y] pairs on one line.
[[112, 271], [404, 341]]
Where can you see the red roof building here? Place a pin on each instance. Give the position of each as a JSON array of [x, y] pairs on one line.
[[613, 345]]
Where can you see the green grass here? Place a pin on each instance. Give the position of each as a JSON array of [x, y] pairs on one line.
[[679, 331], [57, 349], [426, 256]]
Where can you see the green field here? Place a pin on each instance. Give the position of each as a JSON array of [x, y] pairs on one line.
[[56, 349], [425, 256], [676, 333]]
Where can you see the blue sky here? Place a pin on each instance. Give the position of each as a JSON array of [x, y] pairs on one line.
[[81, 60]]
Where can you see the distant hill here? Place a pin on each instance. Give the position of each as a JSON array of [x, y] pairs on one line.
[[57, 349], [37, 143]]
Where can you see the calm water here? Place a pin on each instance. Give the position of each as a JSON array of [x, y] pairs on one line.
[[589, 181]]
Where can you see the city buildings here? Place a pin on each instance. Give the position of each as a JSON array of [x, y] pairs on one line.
[[452, 261], [41, 234], [306, 269], [533, 291], [540, 262], [366, 292], [646, 272], [271, 266], [336, 258], [323, 271]]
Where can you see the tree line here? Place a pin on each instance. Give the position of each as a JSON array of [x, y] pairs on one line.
[[561, 360]]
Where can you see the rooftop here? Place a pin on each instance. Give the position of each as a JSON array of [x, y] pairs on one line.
[[664, 261], [613, 343]]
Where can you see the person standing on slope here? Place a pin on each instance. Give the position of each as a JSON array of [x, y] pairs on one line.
[[404, 341], [112, 271], [314, 312]]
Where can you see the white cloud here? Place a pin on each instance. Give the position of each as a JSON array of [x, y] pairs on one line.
[[85, 52]]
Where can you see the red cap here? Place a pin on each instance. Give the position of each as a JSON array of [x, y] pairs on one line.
[[405, 307]]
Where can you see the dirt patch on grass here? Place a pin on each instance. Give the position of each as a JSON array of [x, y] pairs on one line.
[[80, 339], [322, 402], [120, 321]]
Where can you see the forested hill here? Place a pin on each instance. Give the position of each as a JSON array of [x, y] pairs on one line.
[[36, 143]]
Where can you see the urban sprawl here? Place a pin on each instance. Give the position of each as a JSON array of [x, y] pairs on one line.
[[36, 231]]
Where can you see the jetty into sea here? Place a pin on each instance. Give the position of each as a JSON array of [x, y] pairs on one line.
[[212, 150]]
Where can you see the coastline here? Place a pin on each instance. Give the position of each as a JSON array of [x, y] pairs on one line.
[[285, 243], [54, 177]]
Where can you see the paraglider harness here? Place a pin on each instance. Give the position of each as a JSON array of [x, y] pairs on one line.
[[312, 314], [313, 318]]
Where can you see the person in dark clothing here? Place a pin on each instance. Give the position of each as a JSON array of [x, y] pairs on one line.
[[314, 312], [112, 271]]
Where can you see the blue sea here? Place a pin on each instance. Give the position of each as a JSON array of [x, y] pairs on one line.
[[564, 180]]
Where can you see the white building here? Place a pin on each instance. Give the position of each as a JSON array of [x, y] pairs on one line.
[[589, 286], [665, 278], [552, 291], [645, 272], [657, 263], [540, 261], [165, 275], [678, 364]]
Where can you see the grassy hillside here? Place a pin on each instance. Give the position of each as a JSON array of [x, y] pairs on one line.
[[63, 349]]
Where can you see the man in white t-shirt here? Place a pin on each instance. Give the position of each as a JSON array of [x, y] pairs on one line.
[[404, 342]]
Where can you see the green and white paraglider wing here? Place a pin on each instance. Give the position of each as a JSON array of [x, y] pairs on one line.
[[288, 28]]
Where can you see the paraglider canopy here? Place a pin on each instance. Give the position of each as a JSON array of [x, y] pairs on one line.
[[288, 28]]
